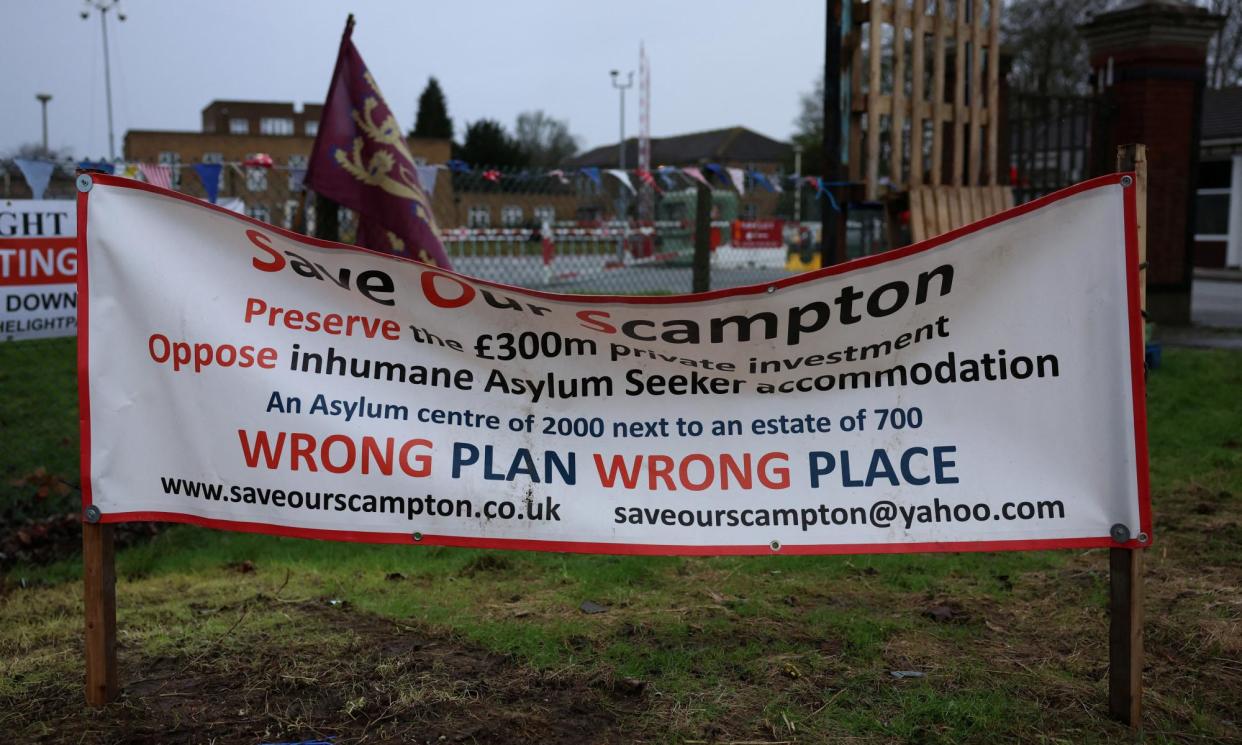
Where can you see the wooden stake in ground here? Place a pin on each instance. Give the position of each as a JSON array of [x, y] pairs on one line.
[[99, 582], [1125, 565]]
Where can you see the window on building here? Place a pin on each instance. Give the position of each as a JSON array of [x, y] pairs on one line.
[[297, 171], [291, 212], [1212, 200], [213, 157], [311, 128], [173, 161], [479, 216], [256, 178], [750, 212], [1212, 215], [259, 212], [544, 213], [510, 216], [1215, 174], [275, 125], [239, 126]]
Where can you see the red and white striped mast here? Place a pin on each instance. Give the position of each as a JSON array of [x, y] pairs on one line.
[[646, 203]]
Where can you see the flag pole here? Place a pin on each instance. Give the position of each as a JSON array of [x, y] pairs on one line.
[[327, 226]]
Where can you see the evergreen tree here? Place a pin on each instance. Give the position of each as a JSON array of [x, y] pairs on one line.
[[433, 119], [487, 144]]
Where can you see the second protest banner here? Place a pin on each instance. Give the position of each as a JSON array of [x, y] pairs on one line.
[[980, 391], [38, 269]]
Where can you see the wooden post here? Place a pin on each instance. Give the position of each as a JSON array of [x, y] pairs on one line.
[[99, 583], [832, 222], [1125, 565], [701, 264]]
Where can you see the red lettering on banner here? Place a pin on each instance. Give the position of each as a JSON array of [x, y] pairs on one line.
[[694, 472], [260, 241], [316, 321], [433, 295], [589, 321], [336, 453], [203, 355]]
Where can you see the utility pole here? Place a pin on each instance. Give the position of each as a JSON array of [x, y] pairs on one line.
[[622, 210], [103, 6], [43, 99]]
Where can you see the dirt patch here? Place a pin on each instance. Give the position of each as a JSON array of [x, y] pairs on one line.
[[48, 539], [344, 675]]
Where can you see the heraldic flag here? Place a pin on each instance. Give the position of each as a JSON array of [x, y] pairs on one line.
[[361, 161]]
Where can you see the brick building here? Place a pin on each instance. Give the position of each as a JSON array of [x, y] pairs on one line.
[[234, 131], [1218, 194]]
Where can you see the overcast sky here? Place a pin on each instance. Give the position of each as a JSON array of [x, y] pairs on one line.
[[715, 63]]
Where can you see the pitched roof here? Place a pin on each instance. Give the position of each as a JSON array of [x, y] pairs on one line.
[[1222, 113], [733, 144]]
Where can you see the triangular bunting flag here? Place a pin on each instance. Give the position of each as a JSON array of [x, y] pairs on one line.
[[623, 177], [427, 178], [158, 174], [38, 173], [209, 174], [697, 175]]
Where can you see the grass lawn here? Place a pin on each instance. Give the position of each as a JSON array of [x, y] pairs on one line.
[[242, 638], [39, 469]]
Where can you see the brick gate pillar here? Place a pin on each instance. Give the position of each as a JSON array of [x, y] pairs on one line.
[[1149, 63]]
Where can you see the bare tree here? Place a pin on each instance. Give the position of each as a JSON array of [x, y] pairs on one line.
[[545, 140], [1225, 50], [1049, 55], [35, 150]]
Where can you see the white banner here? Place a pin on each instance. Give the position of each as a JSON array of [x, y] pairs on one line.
[[980, 391], [38, 268]]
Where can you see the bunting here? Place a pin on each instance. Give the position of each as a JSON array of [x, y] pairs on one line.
[[738, 177], [38, 174], [592, 173], [623, 177], [697, 175], [102, 166], [665, 173], [209, 174], [647, 179], [158, 174], [757, 177], [427, 178]]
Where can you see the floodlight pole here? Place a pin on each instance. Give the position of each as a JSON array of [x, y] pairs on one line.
[[43, 99], [103, 6], [622, 212]]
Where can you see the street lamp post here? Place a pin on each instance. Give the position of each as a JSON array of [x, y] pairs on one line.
[[621, 201], [103, 6], [43, 99]]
